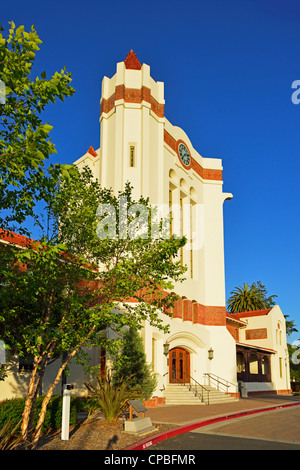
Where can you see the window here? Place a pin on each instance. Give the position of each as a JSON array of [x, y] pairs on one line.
[[25, 364], [154, 354], [170, 210], [265, 365], [132, 156], [191, 238], [240, 363], [181, 229], [253, 364], [280, 367]]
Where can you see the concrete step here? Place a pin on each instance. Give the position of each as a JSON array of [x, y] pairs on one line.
[[178, 394]]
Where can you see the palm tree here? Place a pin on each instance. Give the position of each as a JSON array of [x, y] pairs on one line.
[[248, 298]]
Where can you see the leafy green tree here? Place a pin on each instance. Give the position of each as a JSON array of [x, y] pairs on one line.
[[290, 326], [248, 298], [132, 363], [62, 291], [24, 137]]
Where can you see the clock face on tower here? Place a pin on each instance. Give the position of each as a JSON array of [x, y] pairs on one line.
[[184, 154]]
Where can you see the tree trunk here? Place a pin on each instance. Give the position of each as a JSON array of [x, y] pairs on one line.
[[35, 380], [38, 429]]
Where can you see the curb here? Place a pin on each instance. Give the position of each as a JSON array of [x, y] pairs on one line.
[[150, 441]]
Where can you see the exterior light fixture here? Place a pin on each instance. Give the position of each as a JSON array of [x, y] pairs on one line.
[[210, 353], [166, 348]]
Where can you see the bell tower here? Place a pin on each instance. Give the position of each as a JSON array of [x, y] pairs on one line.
[[132, 129]]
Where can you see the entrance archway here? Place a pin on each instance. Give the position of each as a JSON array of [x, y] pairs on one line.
[[179, 366]]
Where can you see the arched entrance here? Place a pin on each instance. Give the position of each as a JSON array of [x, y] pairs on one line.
[[179, 365]]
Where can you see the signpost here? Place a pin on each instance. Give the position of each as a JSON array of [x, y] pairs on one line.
[[138, 425], [66, 404]]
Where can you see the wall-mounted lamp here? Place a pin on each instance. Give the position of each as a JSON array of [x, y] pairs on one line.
[[210, 353], [166, 348]]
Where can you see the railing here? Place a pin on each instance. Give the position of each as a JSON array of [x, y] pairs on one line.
[[248, 377], [198, 389], [220, 382]]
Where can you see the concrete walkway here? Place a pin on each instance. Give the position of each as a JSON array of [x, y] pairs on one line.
[[280, 424]]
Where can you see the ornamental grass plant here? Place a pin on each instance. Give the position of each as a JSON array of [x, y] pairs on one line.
[[109, 397]]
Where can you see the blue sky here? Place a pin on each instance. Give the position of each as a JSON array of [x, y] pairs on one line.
[[228, 67]]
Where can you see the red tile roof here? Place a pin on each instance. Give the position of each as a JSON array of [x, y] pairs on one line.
[[233, 317], [15, 238], [253, 313]]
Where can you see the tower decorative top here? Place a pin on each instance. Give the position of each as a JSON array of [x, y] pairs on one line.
[[92, 151], [132, 62]]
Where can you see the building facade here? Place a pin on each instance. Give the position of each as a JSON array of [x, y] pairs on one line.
[[138, 144]]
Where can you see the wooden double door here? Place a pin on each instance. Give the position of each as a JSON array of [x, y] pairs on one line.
[[179, 365]]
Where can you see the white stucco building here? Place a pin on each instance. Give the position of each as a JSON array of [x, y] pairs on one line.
[[138, 144]]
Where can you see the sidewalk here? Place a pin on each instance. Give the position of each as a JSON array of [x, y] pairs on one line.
[[185, 414], [272, 423]]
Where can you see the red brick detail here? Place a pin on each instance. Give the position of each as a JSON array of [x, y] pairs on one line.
[[156, 107], [170, 141], [215, 315], [132, 62], [132, 95], [107, 104], [205, 173], [187, 310], [92, 152], [258, 333], [198, 313], [154, 401], [234, 331], [177, 311]]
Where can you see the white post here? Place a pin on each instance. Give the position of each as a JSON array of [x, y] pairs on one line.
[[65, 422]]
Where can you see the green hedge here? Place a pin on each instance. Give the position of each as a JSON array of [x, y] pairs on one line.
[[12, 409]]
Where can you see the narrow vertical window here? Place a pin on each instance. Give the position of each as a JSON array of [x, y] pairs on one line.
[[191, 239], [181, 229], [153, 354], [132, 156], [170, 209], [280, 367]]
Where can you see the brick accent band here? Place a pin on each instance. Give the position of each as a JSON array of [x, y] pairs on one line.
[[205, 173], [198, 313], [132, 95], [137, 95]]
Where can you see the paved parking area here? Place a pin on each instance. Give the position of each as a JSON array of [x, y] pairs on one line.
[[277, 425], [272, 429]]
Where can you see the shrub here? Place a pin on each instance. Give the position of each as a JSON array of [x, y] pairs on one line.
[[11, 411], [132, 363]]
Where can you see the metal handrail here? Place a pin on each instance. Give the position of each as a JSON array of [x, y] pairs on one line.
[[220, 380], [195, 389]]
